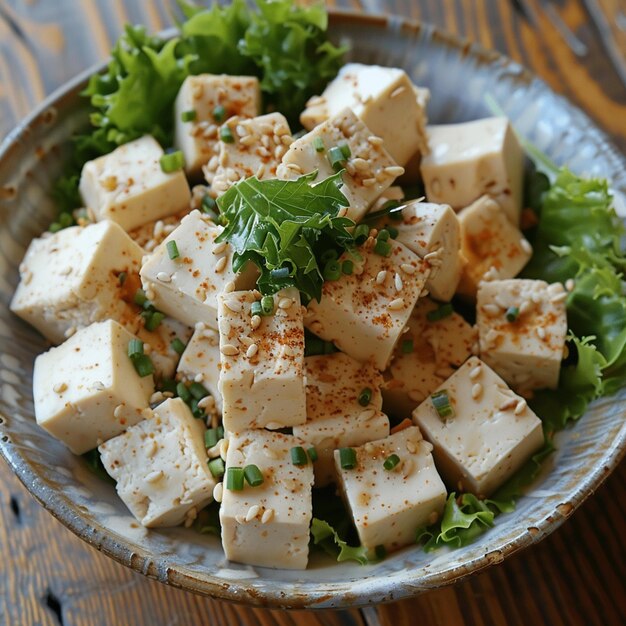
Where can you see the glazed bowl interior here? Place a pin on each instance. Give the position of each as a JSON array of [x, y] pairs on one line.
[[459, 75]]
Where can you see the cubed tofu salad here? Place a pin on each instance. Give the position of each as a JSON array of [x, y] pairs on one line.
[[261, 313]]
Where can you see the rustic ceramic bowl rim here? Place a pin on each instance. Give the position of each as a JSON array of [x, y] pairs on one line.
[[366, 592]]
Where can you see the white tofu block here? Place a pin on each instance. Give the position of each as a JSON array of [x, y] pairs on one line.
[[439, 347], [70, 279], [490, 244], [202, 358], [433, 232], [364, 313], [160, 466], [261, 369], [388, 506], [87, 390], [129, 187], [383, 98], [370, 170], [257, 148], [527, 352], [474, 158], [267, 525], [491, 435], [186, 288], [198, 138], [335, 418]]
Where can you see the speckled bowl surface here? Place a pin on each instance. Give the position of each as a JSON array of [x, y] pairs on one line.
[[459, 75]]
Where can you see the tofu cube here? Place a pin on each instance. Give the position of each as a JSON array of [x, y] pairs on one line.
[[492, 433], [369, 168], [388, 506], [129, 187], [198, 98], [71, 279], [491, 245], [160, 466], [187, 287], [256, 150], [335, 417], [527, 351], [262, 362], [267, 525], [87, 390], [202, 358], [474, 158], [364, 313], [433, 232], [383, 98], [425, 356]]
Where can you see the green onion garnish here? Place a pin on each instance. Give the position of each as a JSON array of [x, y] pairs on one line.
[[140, 297], [234, 478], [318, 144], [267, 305], [512, 313], [172, 162], [208, 204], [441, 402], [226, 135], [196, 411], [347, 267], [391, 462], [345, 150], [172, 249], [380, 551], [256, 308], [382, 247], [312, 452], [336, 157], [211, 437], [169, 385], [135, 348], [219, 113], [143, 365], [177, 345], [253, 475], [393, 231], [298, 455], [183, 393], [153, 320], [188, 116], [407, 346], [280, 272], [121, 277], [198, 390], [216, 467], [365, 396], [383, 235], [347, 458], [332, 270], [440, 312], [361, 233]]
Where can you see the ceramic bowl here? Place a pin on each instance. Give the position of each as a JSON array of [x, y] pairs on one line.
[[459, 75]]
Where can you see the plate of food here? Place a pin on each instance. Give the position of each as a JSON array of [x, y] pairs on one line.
[[310, 311]]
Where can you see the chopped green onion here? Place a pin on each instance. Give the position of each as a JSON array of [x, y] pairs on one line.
[[234, 478], [253, 475], [208, 204], [220, 432], [172, 162], [318, 144], [361, 233], [267, 305], [168, 385], [347, 458], [143, 365], [183, 393], [440, 312], [336, 157], [365, 396], [211, 437], [172, 249], [383, 235], [196, 411], [121, 277], [347, 267], [332, 270], [135, 348], [188, 116], [328, 255], [216, 467], [393, 231], [219, 113], [441, 402], [512, 313], [153, 320], [177, 345], [140, 297], [345, 150], [391, 462], [312, 452], [198, 390], [407, 346], [382, 247], [380, 551], [280, 272], [226, 135], [256, 308], [298, 455]]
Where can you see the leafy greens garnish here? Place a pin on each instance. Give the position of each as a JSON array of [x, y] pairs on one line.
[[327, 538], [279, 224]]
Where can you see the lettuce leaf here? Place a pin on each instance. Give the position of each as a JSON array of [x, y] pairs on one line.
[[327, 538]]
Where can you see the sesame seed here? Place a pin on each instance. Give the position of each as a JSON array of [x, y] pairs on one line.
[[369, 182], [381, 277], [398, 282], [252, 350], [260, 171], [397, 91], [240, 519], [407, 467], [526, 306], [375, 141], [267, 516], [508, 404], [315, 101], [416, 396], [229, 286], [444, 372], [219, 267], [569, 284], [229, 350], [255, 321], [200, 326], [152, 448], [285, 303], [253, 511], [218, 492], [233, 304], [394, 170], [491, 309], [286, 140], [476, 372], [218, 248], [411, 447], [541, 332], [526, 247], [69, 332], [152, 477], [164, 277], [156, 397], [117, 413], [294, 167], [360, 164], [368, 414], [59, 387], [206, 402], [520, 407], [559, 297], [408, 269], [424, 293], [397, 304], [477, 390], [224, 448]]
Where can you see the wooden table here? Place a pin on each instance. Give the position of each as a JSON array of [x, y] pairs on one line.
[[576, 576]]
